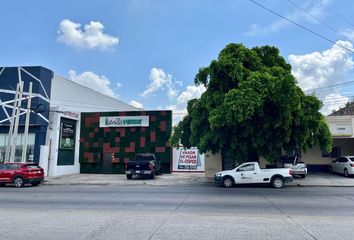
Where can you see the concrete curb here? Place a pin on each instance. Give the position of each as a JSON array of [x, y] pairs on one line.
[[315, 180]]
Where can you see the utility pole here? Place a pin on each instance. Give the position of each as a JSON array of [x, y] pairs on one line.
[[28, 114], [11, 128], [17, 118]]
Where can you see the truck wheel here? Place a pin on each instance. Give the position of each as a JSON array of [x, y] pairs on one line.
[[227, 182], [18, 181], [129, 176], [278, 182], [153, 174]]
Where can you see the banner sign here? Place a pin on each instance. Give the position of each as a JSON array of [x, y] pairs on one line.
[[188, 160], [67, 135], [125, 121]]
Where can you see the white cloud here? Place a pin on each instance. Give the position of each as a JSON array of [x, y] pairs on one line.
[[92, 37], [191, 92], [297, 16], [179, 110], [136, 104], [93, 81], [316, 69], [349, 33], [333, 102], [159, 80], [119, 85]]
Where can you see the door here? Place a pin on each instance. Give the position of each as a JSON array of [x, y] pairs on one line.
[[343, 162], [248, 173], [9, 170], [2, 172], [335, 165], [107, 163]]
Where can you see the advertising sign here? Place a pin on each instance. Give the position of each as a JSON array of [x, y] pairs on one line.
[[188, 160], [126, 121], [67, 135]]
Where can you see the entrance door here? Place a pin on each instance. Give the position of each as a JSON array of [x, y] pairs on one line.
[[107, 163]]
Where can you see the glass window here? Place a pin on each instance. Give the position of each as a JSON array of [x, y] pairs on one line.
[[19, 146], [343, 160], [247, 167], [13, 167], [2, 166]]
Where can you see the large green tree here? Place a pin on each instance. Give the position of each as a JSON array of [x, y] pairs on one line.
[[252, 106]]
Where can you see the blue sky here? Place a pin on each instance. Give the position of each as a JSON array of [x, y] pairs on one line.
[[147, 52]]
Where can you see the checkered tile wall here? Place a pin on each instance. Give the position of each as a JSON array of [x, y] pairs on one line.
[[122, 143]]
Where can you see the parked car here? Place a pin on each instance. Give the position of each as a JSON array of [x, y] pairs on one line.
[[250, 172], [297, 166], [21, 173], [143, 164], [343, 165]]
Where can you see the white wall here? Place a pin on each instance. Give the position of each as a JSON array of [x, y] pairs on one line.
[[68, 100], [70, 96]]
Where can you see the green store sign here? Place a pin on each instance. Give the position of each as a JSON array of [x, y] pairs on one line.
[[128, 121]]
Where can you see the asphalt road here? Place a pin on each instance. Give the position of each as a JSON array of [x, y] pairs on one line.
[[198, 212]]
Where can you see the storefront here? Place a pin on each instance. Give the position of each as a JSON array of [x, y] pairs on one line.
[[54, 125], [109, 139]]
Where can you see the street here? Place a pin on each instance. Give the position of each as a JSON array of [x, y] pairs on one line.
[[175, 212]]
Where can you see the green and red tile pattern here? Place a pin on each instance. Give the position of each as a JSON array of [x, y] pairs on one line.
[[122, 143]]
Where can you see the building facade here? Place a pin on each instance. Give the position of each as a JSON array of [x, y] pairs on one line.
[[109, 139], [54, 130]]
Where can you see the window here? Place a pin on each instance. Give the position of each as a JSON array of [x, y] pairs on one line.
[[336, 152], [343, 160], [13, 167], [247, 167], [18, 148]]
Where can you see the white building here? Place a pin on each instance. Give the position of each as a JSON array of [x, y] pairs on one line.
[[58, 103]]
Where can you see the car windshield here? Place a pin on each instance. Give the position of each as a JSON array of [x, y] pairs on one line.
[[144, 158]]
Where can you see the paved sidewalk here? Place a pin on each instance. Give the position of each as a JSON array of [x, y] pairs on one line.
[[311, 180], [120, 179]]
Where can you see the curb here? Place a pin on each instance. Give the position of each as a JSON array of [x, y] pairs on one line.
[[179, 184]]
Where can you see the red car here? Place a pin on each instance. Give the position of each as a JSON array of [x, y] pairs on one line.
[[21, 173]]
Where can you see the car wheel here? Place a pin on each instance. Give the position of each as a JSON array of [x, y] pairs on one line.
[[2, 184], [302, 175], [346, 173], [18, 181], [153, 174], [330, 169], [227, 182], [129, 176], [278, 182], [35, 183]]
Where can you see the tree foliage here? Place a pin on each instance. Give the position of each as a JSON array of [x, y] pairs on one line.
[[252, 105]]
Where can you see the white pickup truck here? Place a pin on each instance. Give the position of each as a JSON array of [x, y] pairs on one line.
[[250, 172]]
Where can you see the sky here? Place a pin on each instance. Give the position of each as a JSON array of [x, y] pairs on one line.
[[147, 52]]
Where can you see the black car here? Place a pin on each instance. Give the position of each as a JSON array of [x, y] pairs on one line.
[[143, 164]]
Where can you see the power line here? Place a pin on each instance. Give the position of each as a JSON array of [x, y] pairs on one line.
[[303, 27], [317, 19], [334, 13], [330, 86]]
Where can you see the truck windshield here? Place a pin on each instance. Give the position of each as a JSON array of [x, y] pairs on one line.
[[144, 158]]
